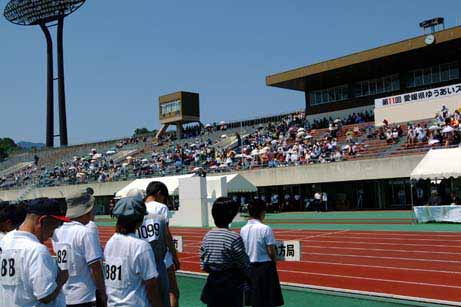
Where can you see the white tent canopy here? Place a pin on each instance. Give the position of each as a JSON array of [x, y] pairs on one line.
[[236, 183], [439, 164], [171, 182]]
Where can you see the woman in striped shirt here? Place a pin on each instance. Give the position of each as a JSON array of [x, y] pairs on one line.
[[222, 255]]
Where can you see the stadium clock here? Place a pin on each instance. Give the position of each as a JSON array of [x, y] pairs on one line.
[[430, 39]]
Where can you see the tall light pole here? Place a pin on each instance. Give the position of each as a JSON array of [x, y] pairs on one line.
[[48, 13]]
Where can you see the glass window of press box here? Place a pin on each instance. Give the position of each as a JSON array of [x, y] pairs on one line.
[[434, 74], [377, 86], [170, 108], [332, 94]]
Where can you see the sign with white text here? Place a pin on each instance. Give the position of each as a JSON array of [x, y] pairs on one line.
[[423, 95], [177, 241], [288, 250]]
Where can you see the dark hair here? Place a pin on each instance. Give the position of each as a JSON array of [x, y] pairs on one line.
[[155, 187], [90, 190], [4, 211], [224, 210], [128, 224], [16, 214], [256, 207]]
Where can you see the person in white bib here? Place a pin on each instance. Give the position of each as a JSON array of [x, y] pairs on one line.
[[29, 276], [153, 231], [79, 251], [156, 196], [260, 244], [130, 270]]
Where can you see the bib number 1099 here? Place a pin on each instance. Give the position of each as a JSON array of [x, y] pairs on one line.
[[149, 231]]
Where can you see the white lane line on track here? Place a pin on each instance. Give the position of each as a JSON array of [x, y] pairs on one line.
[[405, 234], [380, 243], [390, 239], [359, 265], [383, 250], [378, 267], [332, 233], [382, 257], [361, 278], [188, 257]]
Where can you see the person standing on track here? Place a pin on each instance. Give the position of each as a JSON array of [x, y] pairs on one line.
[[130, 269], [80, 252], [153, 231], [29, 275], [260, 245], [156, 197], [222, 255]]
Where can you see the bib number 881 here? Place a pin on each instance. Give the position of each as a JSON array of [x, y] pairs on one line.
[[113, 272]]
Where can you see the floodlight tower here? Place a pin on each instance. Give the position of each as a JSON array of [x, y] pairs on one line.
[[48, 13]]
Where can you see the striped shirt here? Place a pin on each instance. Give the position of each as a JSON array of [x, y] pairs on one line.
[[223, 249]]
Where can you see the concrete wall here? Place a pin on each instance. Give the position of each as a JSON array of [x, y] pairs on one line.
[[396, 167], [386, 168], [100, 189]]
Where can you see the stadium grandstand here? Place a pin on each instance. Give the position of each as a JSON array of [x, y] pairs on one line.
[[369, 120], [338, 134]]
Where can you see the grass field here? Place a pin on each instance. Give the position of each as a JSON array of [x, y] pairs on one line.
[[350, 253], [191, 288]]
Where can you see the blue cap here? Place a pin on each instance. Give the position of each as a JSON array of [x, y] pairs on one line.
[[130, 206], [46, 206]]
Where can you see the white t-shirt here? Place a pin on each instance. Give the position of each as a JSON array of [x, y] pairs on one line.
[[76, 247], [31, 274], [256, 237], [154, 207], [93, 227], [2, 234], [128, 262]]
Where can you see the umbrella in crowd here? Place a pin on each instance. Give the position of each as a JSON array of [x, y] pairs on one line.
[[434, 127], [448, 129]]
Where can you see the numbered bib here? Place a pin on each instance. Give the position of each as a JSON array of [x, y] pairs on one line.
[[10, 268], [149, 230], [63, 256], [116, 272]]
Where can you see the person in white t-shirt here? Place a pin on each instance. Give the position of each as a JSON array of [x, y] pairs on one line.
[[153, 231], [31, 277], [11, 217], [260, 245], [80, 252], [130, 270], [156, 196]]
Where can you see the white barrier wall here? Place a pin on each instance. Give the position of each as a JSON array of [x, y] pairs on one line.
[[215, 189], [193, 202]]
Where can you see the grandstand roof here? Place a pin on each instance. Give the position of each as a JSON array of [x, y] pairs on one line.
[[376, 60]]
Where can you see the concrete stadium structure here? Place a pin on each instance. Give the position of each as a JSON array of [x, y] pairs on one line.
[[332, 88], [379, 172]]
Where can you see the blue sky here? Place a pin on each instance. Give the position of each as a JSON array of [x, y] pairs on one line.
[[121, 55]]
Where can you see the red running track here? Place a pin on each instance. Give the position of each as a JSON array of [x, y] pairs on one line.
[[417, 264]]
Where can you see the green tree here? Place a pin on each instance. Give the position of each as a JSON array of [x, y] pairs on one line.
[[141, 131], [7, 146]]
